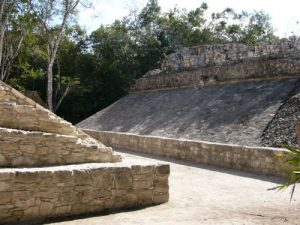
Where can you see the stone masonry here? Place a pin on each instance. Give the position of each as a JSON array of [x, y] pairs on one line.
[[259, 160], [210, 64], [31, 194], [220, 54], [49, 168], [226, 93], [33, 129]]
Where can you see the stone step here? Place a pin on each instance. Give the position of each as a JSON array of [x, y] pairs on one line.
[[27, 117], [30, 194], [28, 148], [19, 112]]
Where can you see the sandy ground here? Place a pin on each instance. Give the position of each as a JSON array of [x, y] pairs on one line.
[[201, 194]]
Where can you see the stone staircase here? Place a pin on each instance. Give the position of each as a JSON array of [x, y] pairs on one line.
[[50, 168], [36, 125]]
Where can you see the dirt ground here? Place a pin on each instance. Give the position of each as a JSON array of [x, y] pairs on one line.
[[201, 194]]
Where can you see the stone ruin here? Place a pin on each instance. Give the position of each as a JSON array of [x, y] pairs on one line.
[[50, 168], [231, 93], [212, 64]]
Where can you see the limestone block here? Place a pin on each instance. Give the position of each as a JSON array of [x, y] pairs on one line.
[[46, 208], [3, 160], [23, 160], [163, 169], [5, 186], [28, 148], [123, 180], [31, 212], [143, 184], [160, 198], [6, 197]]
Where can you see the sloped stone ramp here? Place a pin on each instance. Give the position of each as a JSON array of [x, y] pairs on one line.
[[50, 168], [232, 113]]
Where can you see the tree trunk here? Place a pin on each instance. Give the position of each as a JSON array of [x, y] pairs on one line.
[[2, 28], [50, 87]]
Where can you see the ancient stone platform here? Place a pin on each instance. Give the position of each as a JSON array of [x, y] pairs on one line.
[[234, 113], [49, 168], [232, 93]]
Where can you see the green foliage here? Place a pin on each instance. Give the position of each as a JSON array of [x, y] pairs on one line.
[[92, 71], [293, 162]]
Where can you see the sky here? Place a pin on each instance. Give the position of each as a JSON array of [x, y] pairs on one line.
[[284, 14]]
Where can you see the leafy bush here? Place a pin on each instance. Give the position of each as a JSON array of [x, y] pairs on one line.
[[293, 162]]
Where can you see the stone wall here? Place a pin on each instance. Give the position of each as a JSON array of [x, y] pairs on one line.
[[39, 193], [32, 136], [261, 69], [209, 64], [25, 148], [213, 55], [251, 159]]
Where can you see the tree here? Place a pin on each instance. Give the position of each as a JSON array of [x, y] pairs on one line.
[[6, 8], [14, 25], [53, 17], [245, 27], [56, 56], [258, 29]]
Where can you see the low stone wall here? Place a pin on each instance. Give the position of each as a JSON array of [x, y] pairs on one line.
[[24, 148], [251, 159], [39, 193], [252, 69]]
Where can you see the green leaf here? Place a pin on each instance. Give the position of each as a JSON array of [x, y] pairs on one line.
[[294, 150]]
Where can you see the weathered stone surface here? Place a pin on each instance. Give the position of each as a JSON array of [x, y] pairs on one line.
[[33, 136], [26, 148], [209, 64], [80, 193], [21, 113], [259, 160], [208, 76], [281, 129], [219, 54], [218, 65], [232, 113]]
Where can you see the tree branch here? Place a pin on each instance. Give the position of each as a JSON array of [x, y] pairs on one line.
[[63, 96]]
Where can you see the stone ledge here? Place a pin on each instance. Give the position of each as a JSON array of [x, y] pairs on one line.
[[24, 148], [28, 194], [27, 117], [259, 160]]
